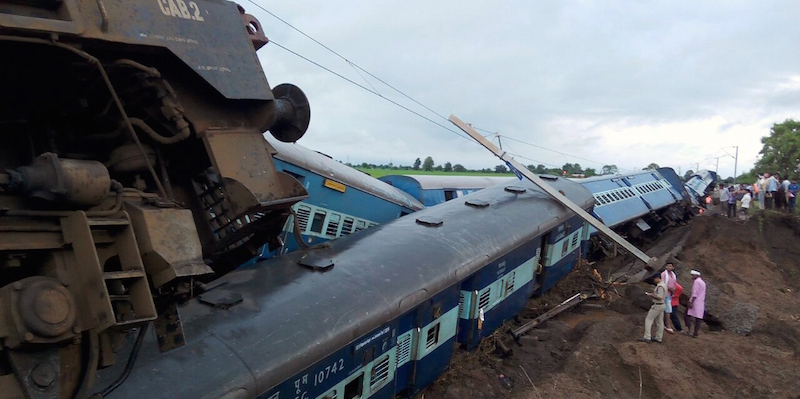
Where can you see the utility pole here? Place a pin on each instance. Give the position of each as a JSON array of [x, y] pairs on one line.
[[735, 164]]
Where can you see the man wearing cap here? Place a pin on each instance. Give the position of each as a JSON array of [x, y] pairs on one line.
[[697, 304], [656, 312]]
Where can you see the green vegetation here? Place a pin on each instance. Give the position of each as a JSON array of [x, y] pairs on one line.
[[780, 153], [378, 172], [429, 167]]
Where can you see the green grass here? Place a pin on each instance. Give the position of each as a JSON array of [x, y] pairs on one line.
[[383, 172]]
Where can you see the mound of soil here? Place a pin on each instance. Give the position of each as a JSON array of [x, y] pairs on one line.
[[747, 349]]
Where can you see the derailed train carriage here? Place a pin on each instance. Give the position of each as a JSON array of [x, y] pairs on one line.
[[364, 317], [341, 201]]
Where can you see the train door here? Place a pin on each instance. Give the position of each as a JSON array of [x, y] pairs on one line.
[[541, 268], [424, 351]]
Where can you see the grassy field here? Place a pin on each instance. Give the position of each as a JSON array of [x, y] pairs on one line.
[[383, 172]]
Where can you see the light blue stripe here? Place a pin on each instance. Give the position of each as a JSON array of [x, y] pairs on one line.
[[556, 252], [447, 323], [500, 289]]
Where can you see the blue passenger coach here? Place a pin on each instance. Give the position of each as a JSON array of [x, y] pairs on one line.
[[341, 199], [634, 203], [364, 317], [435, 189]]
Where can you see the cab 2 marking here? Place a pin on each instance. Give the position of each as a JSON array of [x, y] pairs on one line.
[[179, 9]]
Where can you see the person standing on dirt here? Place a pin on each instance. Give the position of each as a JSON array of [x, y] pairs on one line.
[[656, 312], [697, 304], [772, 189], [731, 203], [745, 208], [792, 194], [723, 197], [762, 189], [669, 279], [780, 195], [676, 301]]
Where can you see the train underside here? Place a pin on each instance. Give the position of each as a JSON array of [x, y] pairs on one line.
[[130, 173]]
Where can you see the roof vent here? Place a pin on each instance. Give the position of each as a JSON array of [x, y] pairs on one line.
[[315, 262], [476, 203], [430, 221], [548, 177], [515, 189], [220, 299]]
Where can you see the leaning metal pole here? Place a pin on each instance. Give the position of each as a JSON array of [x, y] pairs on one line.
[[522, 170]]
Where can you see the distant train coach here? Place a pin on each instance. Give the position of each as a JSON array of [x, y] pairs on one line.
[[435, 189], [341, 199]]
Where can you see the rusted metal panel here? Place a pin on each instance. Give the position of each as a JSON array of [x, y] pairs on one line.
[[168, 243]]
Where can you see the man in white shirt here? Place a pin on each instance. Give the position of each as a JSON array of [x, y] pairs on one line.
[[669, 279], [744, 209], [723, 197]]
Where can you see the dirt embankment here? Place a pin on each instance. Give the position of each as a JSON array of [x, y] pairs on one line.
[[749, 349]]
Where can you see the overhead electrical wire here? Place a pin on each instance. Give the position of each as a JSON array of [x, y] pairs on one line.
[[375, 92], [370, 91]]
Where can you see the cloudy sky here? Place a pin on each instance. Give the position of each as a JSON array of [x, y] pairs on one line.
[[604, 82]]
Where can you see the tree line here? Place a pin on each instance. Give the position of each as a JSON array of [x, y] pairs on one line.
[[780, 153], [568, 169]]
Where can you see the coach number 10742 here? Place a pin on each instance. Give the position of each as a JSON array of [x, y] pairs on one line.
[[179, 9]]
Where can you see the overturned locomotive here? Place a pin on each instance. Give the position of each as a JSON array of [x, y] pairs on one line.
[[132, 168]]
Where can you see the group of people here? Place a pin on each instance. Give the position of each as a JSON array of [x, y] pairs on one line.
[[728, 197], [774, 193], [666, 300], [770, 191]]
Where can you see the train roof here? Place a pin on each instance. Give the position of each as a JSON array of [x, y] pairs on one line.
[[437, 182], [291, 317], [323, 165], [617, 176]]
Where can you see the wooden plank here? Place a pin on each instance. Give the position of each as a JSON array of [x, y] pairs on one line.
[[522, 170]]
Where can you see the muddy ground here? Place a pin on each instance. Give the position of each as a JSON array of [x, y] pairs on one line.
[[748, 349]]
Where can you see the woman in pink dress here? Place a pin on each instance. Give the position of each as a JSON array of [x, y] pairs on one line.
[[697, 304]]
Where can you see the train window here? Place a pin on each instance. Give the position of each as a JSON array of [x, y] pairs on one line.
[[403, 348], [316, 223], [433, 336], [354, 388], [483, 302], [379, 374], [361, 225], [510, 280], [449, 194], [333, 225], [303, 213], [347, 226]]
